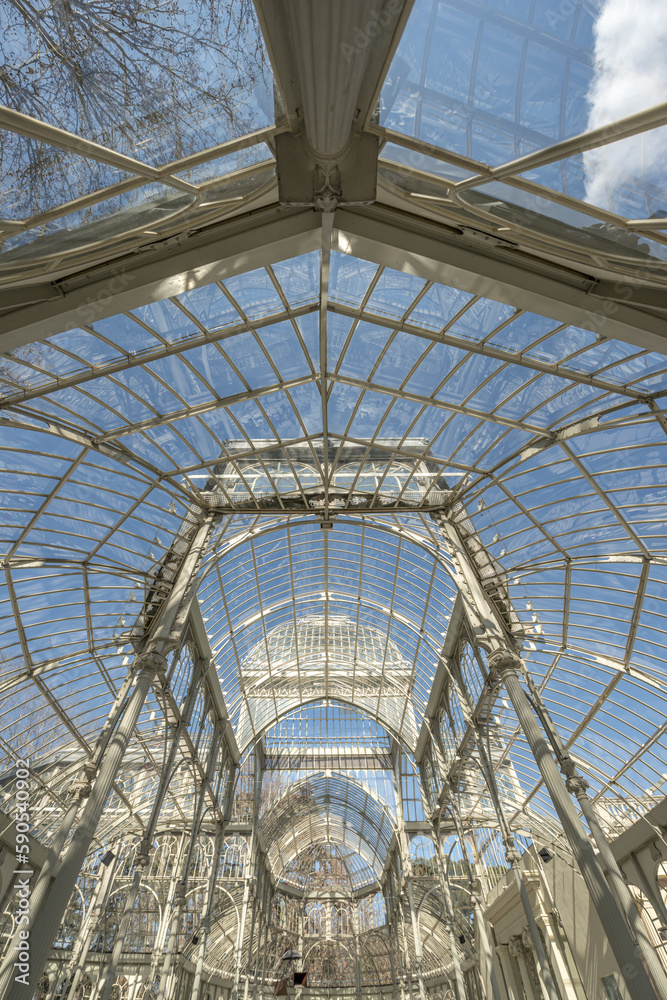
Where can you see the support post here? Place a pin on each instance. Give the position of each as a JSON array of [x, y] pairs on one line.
[[449, 912], [80, 950], [267, 932], [142, 857], [517, 950], [578, 786], [513, 988], [512, 858], [149, 666], [504, 663], [79, 790], [251, 945], [407, 871], [162, 936], [406, 950], [480, 927], [249, 874], [357, 952], [210, 890], [168, 973], [47, 922]]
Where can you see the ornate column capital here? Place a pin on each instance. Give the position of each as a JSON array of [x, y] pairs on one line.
[[503, 661], [515, 946], [151, 660], [526, 940], [511, 854], [82, 787], [576, 785]]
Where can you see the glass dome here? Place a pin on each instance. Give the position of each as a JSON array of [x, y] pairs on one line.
[[332, 510]]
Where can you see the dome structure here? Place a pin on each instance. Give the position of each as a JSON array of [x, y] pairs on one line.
[[328, 867], [333, 362]]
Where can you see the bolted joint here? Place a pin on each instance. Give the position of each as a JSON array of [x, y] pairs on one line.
[[82, 787], [142, 857], [89, 770], [502, 662]]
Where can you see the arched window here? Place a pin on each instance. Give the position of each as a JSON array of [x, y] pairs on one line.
[[164, 857], [82, 991], [315, 922], [148, 990], [341, 918], [71, 921], [422, 855], [108, 923], [144, 923], [119, 990], [233, 857], [330, 964], [375, 960], [371, 912]]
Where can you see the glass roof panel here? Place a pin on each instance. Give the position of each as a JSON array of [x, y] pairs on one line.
[[36, 177], [154, 87], [136, 210], [492, 83], [541, 440]]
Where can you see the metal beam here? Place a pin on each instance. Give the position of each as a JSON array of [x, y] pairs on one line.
[[177, 265], [437, 253]]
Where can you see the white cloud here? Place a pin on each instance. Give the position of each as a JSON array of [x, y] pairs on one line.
[[630, 76]]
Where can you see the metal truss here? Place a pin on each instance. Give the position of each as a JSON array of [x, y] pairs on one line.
[[330, 408]]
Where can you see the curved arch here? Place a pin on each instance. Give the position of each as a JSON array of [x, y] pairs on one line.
[[381, 977], [379, 522], [331, 950], [328, 798], [329, 655], [325, 866], [333, 702], [380, 580]]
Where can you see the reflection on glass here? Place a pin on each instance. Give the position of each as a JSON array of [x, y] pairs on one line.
[[498, 81], [156, 84], [420, 161], [489, 82], [139, 209], [560, 223], [223, 165], [37, 177]]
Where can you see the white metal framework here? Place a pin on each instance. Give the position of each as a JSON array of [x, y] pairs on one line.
[[333, 516]]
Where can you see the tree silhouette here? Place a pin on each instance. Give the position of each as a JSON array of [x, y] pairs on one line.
[[155, 82]]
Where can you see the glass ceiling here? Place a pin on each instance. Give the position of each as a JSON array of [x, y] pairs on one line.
[[329, 807], [326, 410], [121, 119], [492, 96], [548, 440]]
